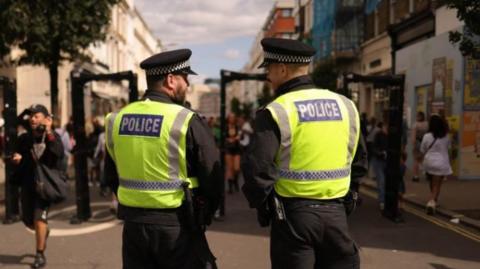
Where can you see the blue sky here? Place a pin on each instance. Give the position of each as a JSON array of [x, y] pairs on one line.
[[231, 54], [219, 32]]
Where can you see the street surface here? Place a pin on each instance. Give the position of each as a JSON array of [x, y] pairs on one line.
[[239, 242]]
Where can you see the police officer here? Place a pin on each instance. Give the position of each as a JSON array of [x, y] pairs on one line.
[[298, 167], [168, 171]]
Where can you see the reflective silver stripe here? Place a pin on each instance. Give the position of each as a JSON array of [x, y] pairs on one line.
[[314, 175], [150, 185], [174, 144], [352, 114], [111, 121], [285, 134]]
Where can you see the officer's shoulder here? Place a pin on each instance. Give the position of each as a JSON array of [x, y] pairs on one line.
[[197, 116], [264, 106]]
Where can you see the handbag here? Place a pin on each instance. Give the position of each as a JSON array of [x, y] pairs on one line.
[[50, 184]]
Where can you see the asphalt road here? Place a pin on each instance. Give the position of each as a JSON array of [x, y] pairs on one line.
[[238, 242]]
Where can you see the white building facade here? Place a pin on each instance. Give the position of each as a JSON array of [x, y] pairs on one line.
[[128, 42]]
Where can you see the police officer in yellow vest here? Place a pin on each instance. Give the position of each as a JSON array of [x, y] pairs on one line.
[[168, 171], [299, 165]]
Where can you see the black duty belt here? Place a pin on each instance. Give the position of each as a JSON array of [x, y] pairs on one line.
[[307, 202]]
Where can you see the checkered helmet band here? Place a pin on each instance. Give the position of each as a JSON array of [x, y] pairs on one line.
[[167, 69], [284, 58]]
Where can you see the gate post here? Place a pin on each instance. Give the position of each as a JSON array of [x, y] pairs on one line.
[[10, 116], [82, 194]]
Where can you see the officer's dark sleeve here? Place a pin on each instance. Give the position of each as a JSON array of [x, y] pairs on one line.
[[203, 161], [258, 163], [359, 164], [110, 173]]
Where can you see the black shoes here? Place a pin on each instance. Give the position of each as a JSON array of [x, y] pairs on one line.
[[40, 261]]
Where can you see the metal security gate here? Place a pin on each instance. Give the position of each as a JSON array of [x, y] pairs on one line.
[[80, 156], [394, 85], [9, 91]]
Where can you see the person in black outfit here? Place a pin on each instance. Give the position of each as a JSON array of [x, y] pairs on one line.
[[379, 161], [162, 238], [232, 153], [47, 145], [314, 233]]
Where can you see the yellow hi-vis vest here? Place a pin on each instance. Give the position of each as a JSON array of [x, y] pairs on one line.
[[147, 141], [319, 135]]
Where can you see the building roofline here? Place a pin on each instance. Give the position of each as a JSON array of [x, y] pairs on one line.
[[143, 22]]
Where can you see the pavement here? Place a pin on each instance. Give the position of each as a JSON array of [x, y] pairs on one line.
[[459, 199], [238, 242]]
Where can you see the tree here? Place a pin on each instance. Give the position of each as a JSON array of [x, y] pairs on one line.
[[247, 109], [235, 106], [325, 75], [467, 11], [50, 32]]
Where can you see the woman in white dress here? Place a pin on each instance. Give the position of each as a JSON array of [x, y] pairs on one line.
[[436, 162]]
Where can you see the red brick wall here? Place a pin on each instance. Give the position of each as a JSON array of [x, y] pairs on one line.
[[401, 9], [383, 16], [281, 25], [370, 26], [421, 5]]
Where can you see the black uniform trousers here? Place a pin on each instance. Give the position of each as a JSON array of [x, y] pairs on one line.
[[158, 246], [315, 235]]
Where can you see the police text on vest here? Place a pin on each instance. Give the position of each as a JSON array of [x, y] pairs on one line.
[[318, 110], [141, 125]]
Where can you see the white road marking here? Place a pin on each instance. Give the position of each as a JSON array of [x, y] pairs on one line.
[[81, 230]]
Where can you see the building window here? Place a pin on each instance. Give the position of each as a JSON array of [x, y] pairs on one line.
[[286, 12], [375, 63]]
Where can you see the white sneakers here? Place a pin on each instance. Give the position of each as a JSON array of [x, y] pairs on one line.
[[431, 205]]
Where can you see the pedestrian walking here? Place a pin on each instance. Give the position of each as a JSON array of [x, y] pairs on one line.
[[436, 162], [298, 166], [372, 130], [420, 128], [65, 138], [169, 174], [43, 142], [232, 153], [379, 161], [246, 132]]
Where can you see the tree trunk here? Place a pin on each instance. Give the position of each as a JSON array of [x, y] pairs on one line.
[[53, 69]]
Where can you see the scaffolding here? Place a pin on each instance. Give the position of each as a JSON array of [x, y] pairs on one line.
[[371, 5], [338, 27]]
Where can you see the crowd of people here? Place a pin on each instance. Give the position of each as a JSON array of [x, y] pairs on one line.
[[161, 159], [430, 154], [238, 136]]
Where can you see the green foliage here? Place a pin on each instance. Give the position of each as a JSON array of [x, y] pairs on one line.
[[325, 75], [247, 109], [236, 106], [51, 31], [467, 11]]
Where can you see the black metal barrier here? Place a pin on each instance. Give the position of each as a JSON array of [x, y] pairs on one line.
[[9, 113], [225, 78], [395, 86], [78, 81]]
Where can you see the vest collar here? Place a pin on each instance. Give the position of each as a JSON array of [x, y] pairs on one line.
[[295, 84], [157, 96]]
